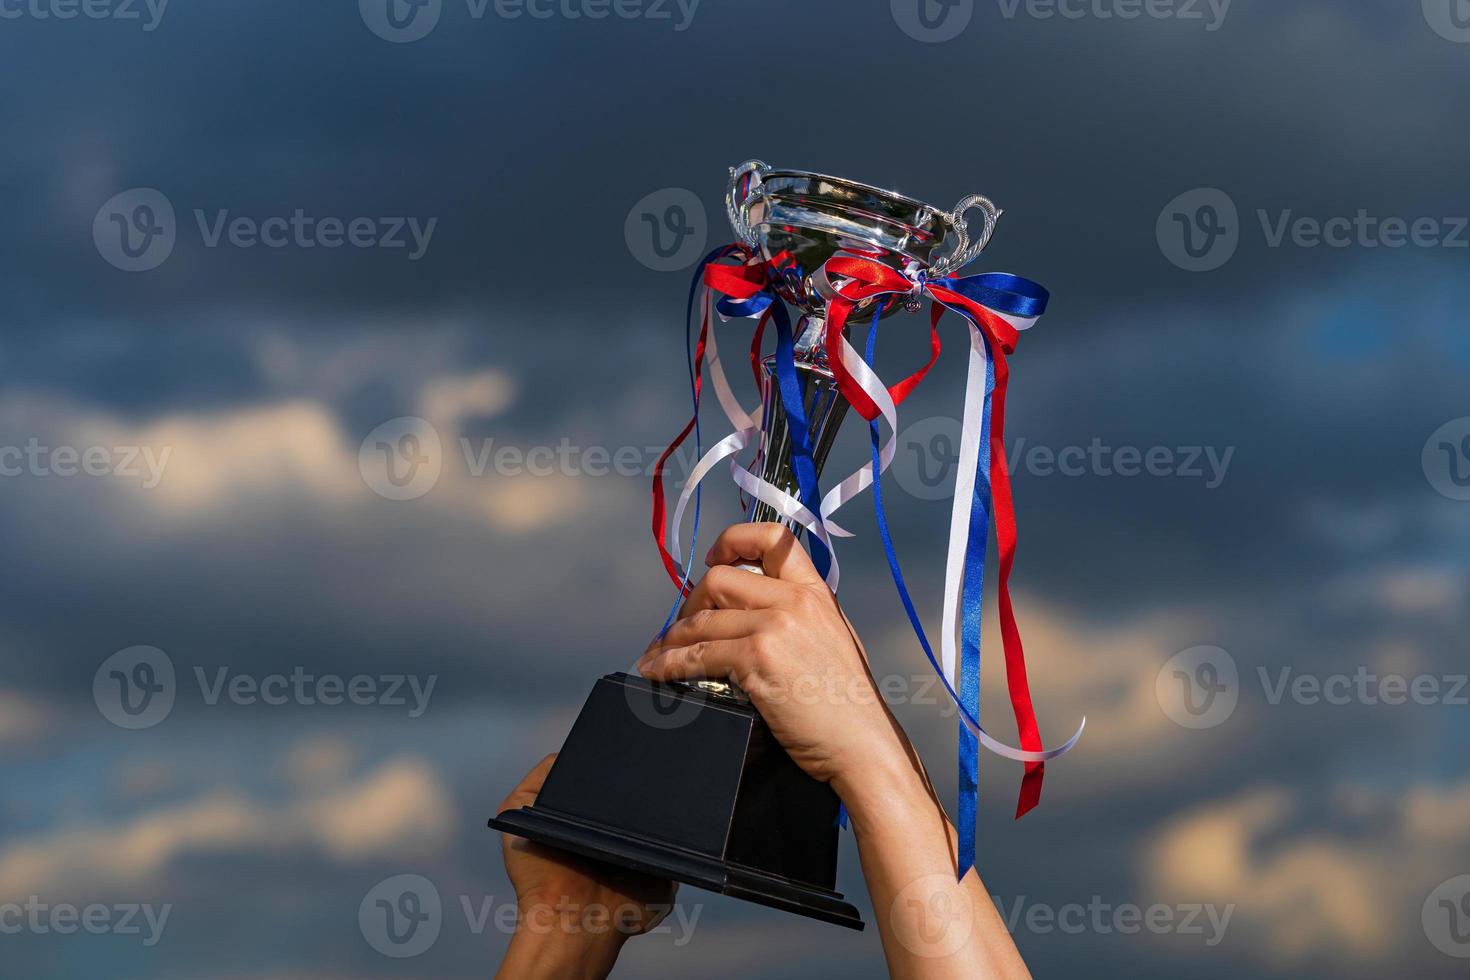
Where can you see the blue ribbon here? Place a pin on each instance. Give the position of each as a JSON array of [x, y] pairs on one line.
[[1002, 292], [796, 423], [972, 598]]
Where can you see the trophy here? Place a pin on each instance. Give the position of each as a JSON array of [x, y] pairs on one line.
[[684, 780]]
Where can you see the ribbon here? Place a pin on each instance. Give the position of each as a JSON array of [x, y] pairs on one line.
[[996, 308]]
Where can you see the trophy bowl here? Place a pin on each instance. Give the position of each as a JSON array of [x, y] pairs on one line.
[[796, 220]]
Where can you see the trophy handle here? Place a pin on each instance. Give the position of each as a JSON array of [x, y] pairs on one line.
[[735, 201], [966, 251]]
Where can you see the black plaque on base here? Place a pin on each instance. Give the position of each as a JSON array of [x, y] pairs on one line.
[[689, 785]]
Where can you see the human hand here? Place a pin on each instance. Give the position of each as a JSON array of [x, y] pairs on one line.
[[783, 638], [575, 913]]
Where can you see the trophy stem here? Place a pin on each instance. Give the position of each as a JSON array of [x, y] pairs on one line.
[[824, 407]]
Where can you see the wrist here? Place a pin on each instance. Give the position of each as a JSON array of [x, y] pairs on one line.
[[889, 784], [561, 938]]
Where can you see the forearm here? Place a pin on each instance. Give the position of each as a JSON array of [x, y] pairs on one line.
[[547, 947], [931, 925]]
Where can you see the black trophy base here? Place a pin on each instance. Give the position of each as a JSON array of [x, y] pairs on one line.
[[688, 785]]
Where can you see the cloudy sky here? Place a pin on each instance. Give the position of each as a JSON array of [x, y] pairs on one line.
[[242, 239]]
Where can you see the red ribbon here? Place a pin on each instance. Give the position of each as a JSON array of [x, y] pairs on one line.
[[868, 279]]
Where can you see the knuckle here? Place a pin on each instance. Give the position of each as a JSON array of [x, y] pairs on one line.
[[778, 535], [717, 578], [782, 621], [765, 654]]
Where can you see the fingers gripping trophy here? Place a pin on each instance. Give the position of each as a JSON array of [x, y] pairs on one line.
[[685, 780]]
